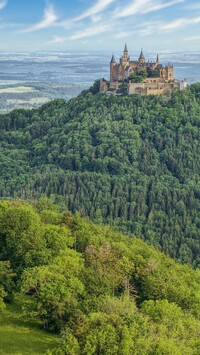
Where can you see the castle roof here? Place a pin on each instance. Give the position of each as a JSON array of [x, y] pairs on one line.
[[151, 64], [142, 65], [113, 59], [142, 55]]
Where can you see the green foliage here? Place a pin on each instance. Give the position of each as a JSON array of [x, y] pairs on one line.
[[2, 297], [123, 89], [138, 77], [153, 73], [56, 288], [7, 285], [105, 292], [26, 241], [94, 89], [132, 162]]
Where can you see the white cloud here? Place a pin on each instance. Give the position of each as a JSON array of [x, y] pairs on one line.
[[85, 33], [151, 27], [48, 20], [3, 4], [180, 23], [90, 31], [132, 8], [193, 7], [147, 28], [58, 40], [121, 35], [100, 6], [143, 6], [94, 13], [96, 18], [160, 6], [94, 10]]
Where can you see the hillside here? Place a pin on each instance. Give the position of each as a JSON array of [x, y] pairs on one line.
[[21, 336], [105, 293], [132, 162]]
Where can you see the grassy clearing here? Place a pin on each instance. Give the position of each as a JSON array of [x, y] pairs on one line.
[[32, 101], [20, 337], [17, 90], [39, 100]]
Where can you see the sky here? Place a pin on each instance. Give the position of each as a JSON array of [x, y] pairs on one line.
[[96, 25]]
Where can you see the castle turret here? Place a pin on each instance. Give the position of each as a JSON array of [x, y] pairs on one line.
[[141, 58], [126, 52], [113, 66], [170, 72], [113, 61], [167, 72]]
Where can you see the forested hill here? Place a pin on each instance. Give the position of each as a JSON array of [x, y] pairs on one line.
[[106, 293], [129, 161]]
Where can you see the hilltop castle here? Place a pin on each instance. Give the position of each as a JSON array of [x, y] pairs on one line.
[[141, 77]]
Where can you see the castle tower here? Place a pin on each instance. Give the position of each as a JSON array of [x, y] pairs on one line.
[[170, 72], [126, 57], [113, 64], [113, 61], [141, 58], [167, 72]]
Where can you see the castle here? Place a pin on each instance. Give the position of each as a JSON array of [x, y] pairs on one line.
[[140, 77]]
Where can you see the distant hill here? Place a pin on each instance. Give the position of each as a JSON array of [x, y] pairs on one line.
[[105, 293], [132, 162], [33, 94]]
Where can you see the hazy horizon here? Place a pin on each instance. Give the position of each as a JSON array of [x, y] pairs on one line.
[[84, 68]]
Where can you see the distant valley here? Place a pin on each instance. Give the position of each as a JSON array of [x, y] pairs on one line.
[[34, 94]]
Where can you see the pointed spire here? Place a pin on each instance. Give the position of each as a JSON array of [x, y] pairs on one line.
[[126, 56], [113, 59], [157, 59], [142, 54]]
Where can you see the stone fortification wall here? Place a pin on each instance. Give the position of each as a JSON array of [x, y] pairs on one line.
[[154, 88]]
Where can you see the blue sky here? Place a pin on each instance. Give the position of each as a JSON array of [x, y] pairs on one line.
[[95, 25]]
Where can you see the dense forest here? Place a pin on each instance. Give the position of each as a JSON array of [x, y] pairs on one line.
[[132, 162], [105, 293]]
